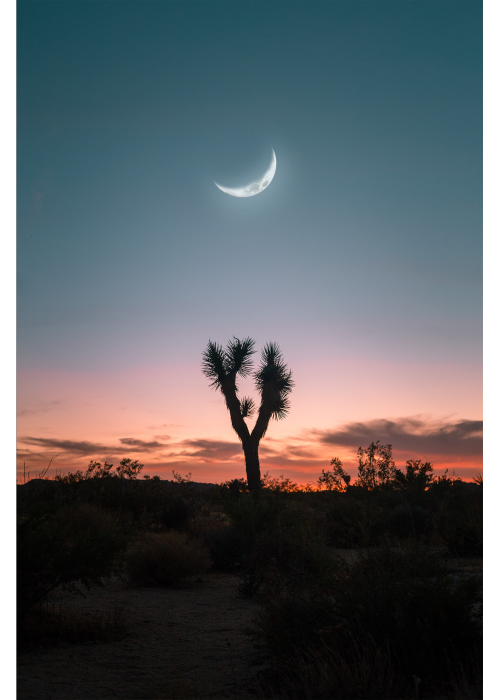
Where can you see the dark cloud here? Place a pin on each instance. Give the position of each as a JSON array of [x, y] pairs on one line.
[[82, 447], [142, 445], [301, 453], [86, 448], [211, 450], [415, 435], [201, 449]]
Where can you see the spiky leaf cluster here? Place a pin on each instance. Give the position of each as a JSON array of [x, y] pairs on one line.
[[224, 364], [247, 406], [274, 382]]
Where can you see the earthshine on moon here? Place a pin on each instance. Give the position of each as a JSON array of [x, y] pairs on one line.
[[254, 187]]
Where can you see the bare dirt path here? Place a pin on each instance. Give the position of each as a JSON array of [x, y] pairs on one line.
[[180, 643]]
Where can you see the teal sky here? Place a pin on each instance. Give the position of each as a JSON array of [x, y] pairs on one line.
[[368, 243]]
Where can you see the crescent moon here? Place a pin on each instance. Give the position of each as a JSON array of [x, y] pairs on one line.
[[254, 187]]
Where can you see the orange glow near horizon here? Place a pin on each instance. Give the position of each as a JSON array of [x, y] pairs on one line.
[[169, 419]]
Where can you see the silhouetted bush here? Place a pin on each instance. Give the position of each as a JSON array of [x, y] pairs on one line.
[[250, 515], [408, 596], [165, 558], [50, 624], [234, 487], [406, 521], [357, 667], [286, 558], [460, 521], [353, 523], [74, 544], [392, 622], [145, 503], [225, 545], [175, 513]]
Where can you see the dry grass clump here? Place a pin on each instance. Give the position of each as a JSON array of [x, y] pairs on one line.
[[395, 624], [50, 624], [355, 668], [166, 558]]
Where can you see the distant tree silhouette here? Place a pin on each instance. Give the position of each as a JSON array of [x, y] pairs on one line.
[[337, 479], [418, 476], [375, 465], [273, 381]]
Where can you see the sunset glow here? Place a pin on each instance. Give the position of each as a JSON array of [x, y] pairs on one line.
[[169, 419]]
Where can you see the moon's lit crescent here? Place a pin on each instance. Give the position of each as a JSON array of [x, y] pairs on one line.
[[254, 187]]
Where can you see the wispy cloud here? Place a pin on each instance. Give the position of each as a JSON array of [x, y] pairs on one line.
[[79, 447], [414, 434], [85, 448], [142, 445], [440, 441], [210, 450]]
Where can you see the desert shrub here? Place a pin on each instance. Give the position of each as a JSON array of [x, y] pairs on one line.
[[223, 541], [356, 667], [417, 476], [409, 597], [375, 466], [460, 521], [214, 527], [234, 487], [145, 503], [250, 516], [353, 523], [288, 558], [165, 558], [173, 513], [40, 498], [348, 668], [79, 544], [395, 619], [127, 469], [279, 484], [336, 479], [50, 624], [405, 521]]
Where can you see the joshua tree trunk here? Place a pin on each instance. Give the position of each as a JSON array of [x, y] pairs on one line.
[[251, 451], [250, 443]]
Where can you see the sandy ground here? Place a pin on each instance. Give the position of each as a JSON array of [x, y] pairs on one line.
[[180, 643]]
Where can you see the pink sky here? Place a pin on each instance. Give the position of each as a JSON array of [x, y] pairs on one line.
[[168, 418]]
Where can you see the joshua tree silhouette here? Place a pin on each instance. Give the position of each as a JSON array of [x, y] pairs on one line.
[[273, 381]]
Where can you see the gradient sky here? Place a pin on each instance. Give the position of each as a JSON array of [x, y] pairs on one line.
[[362, 259]]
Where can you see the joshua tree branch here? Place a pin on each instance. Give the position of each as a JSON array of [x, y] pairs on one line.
[[228, 388], [262, 422]]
